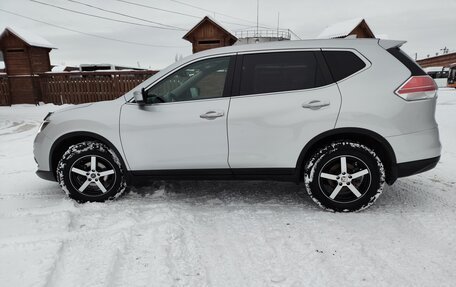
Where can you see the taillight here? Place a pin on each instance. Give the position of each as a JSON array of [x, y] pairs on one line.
[[418, 88]]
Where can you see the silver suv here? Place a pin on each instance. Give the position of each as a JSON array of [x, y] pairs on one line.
[[341, 116]]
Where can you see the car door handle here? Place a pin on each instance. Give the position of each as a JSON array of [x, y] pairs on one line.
[[315, 105], [212, 115]]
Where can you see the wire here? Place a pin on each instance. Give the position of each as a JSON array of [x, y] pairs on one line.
[[101, 17], [175, 12], [88, 34], [210, 11], [215, 12], [125, 15], [159, 9]]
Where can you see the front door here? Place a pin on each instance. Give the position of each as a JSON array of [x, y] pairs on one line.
[[183, 123]]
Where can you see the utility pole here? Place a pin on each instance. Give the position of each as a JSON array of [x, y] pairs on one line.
[[278, 22], [258, 9]]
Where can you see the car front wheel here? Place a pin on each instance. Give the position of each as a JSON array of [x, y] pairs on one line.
[[91, 171], [344, 176]]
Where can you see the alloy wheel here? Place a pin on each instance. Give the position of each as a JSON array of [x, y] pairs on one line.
[[92, 175], [344, 179]]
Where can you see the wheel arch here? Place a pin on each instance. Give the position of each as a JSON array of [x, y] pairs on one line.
[[62, 144], [363, 136]]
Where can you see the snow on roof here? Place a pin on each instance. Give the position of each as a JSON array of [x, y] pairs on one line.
[[97, 65], [435, 69], [341, 29], [382, 36], [30, 38], [58, 68]]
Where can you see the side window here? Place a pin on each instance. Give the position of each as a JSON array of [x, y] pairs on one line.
[[343, 63], [201, 80], [281, 71]]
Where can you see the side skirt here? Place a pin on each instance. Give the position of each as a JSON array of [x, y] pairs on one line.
[[272, 174]]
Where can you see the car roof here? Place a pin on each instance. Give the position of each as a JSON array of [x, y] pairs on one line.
[[295, 44]]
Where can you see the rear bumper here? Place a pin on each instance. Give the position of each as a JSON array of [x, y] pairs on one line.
[[416, 167], [47, 175], [416, 146]]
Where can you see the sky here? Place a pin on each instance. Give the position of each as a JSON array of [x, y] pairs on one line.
[[428, 26]]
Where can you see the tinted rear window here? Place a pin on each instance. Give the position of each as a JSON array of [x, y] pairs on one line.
[[407, 61], [343, 63], [282, 71]]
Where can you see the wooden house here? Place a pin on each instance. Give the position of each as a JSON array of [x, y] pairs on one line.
[[208, 34], [444, 60], [25, 55], [356, 27]]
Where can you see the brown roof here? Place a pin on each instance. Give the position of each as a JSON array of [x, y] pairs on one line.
[[213, 22], [345, 28]]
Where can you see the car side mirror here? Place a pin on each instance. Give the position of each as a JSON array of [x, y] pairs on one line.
[[195, 92], [140, 96]]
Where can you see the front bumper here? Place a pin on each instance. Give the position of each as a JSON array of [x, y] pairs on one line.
[[41, 151], [45, 174]]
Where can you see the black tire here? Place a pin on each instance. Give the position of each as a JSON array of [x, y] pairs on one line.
[[91, 171], [344, 176]]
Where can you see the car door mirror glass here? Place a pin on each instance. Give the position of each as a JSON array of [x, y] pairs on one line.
[[194, 92]]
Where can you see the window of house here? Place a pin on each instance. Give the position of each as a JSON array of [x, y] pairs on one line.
[[209, 42]]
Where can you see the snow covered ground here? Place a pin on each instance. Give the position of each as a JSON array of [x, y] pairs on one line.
[[222, 233]]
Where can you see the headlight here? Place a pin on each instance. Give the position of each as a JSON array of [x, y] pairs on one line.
[[45, 122]]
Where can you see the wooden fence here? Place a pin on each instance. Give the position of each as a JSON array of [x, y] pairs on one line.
[[84, 87], [4, 91]]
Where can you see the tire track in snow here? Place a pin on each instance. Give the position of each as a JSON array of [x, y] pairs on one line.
[[88, 258], [330, 255], [229, 251], [263, 248], [143, 258], [161, 252], [184, 250], [58, 256], [24, 238]]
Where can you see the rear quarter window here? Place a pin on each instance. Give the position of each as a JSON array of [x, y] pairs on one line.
[[407, 61], [343, 64]]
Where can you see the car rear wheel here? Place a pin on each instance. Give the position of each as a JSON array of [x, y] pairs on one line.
[[344, 176], [91, 171]]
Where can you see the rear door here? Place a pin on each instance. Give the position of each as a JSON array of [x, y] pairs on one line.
[[281, 100]]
